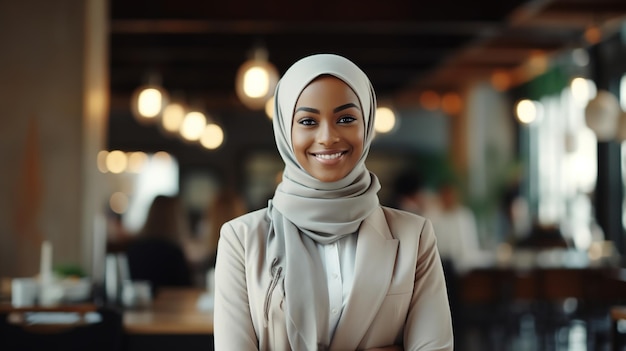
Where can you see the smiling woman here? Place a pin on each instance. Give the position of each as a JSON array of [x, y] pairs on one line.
[[325, 266]]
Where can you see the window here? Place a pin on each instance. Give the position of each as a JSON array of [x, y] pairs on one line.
[[158, 176], [563, 164]]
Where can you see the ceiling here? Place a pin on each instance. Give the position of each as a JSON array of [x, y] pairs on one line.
[[405, 46]]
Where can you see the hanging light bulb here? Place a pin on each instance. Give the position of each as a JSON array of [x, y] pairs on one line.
[[451, 103], [256, 80], [136, 161], [582, 90], [116, 161], [602, 115], [173, 116], [193, 125], [527, 111], [385, 120], [593, 34], [148, 100], [212, 136]]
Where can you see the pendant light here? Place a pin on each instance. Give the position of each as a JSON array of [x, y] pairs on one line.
[[256, 80], [385, 121], [602, 114], [149, 100]]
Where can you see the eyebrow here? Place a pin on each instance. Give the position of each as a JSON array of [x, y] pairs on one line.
[[308, 109], [335, 110], [346, 106]]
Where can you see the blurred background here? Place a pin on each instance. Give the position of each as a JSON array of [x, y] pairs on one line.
[[517, 105]]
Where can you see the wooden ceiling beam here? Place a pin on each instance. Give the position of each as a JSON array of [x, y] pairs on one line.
[[260, 27]]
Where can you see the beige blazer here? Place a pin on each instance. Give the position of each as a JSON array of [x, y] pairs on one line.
[[398, 297]]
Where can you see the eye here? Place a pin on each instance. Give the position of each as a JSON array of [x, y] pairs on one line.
[[307, 121], [346, 119]]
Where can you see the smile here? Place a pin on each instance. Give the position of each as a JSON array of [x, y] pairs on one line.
[[328, 156]]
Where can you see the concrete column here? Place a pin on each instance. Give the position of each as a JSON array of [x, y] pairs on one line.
[[53, 110]]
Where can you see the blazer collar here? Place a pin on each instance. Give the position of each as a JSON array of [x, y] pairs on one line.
[[376, 252]]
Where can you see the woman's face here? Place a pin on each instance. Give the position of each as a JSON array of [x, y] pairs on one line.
[[328, 129]]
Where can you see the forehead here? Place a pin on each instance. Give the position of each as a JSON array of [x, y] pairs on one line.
[[327, 89]]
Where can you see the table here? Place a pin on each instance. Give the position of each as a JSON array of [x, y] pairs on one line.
[[173, 311], [496, 300], [17, 315], [83, 326], [172, 322], [538, 283], [78, 308]]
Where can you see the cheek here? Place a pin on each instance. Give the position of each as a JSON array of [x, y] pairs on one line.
[[300, 145], [359, 141], [297, 142], [359, 148]]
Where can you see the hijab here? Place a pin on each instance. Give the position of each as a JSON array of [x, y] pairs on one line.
[[305, 211]]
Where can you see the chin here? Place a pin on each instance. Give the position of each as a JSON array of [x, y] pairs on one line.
[[329, 178]]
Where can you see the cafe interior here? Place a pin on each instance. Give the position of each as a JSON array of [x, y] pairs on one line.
[[113, 108]]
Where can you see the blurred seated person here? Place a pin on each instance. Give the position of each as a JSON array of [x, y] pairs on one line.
[[201, 250], [156, 253], [455, 228], [517, 221], [411, 194]]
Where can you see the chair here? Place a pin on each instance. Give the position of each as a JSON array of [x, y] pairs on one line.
[[497, 303], [97, 330], [158, 261]]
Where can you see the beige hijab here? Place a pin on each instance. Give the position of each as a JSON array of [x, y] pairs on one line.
[[305, 211]]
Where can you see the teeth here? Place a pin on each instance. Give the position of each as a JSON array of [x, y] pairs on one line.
[[328, 156]]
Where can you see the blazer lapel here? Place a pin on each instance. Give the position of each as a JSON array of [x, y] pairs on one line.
[[375, 259]]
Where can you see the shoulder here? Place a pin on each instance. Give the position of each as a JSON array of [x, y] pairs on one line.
[[408, 227], [396, 217], [248, 225], [257, 216]]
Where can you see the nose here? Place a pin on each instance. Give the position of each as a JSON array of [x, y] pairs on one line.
[[327, 134]]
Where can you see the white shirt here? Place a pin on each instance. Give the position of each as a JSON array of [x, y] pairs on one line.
[[457, 236], [338, 260]]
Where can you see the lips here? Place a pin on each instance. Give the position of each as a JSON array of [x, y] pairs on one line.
[[328, 156]]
